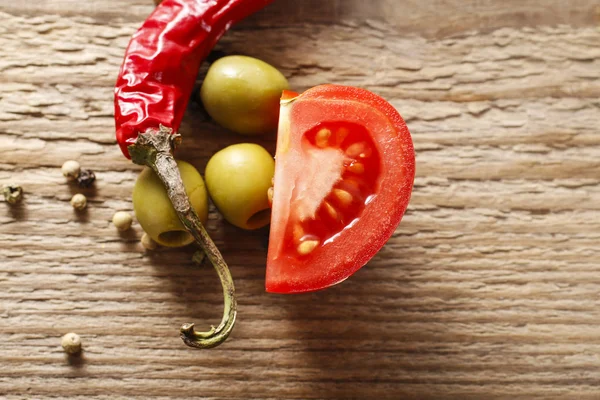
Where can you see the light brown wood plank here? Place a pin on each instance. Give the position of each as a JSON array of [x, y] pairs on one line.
[[489, 289]]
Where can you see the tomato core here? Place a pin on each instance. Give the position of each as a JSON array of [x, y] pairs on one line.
[[353, 187]]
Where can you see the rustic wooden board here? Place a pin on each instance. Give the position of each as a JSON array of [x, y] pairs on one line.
[[489, 288]]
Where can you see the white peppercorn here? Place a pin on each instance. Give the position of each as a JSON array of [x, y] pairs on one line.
[[70, 169], [122, 220], [71, 343], [148, 243], [79, 202]]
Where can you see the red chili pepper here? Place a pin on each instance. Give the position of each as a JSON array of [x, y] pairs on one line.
[[151, 94], [163, 58]]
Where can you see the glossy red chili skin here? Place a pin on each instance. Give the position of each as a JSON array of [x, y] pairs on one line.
[[162, 61]]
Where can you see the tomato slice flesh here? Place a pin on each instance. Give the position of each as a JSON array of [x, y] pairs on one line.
[[344, 173]]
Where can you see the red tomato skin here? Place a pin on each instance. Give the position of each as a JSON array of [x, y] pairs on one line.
[[288, 95], [338, 260]]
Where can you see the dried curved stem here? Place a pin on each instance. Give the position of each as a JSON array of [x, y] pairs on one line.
[[154, 148]]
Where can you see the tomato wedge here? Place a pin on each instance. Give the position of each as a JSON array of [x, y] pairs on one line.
[[344, 173]]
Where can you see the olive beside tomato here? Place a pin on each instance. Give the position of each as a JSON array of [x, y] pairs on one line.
[[242, 94], [154, 210], [238, 179]]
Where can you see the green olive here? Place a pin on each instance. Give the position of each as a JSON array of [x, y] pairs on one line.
[[154, 210], [238, 178], [242, 94]]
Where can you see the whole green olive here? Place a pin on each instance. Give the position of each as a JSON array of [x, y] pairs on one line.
[[238, 179], [242, 94], [154, 210]]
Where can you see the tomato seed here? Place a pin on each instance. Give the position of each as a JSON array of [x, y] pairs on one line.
[[351, 186], [298, 232], [307, 246], [331, 211], [322, 138], [341, 135], [356, 168], [343, 196], [359, 149]]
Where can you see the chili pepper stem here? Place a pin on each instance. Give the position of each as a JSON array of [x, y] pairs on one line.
[[154, 148]]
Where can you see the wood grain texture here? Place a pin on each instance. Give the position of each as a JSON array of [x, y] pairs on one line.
[[489, 288]]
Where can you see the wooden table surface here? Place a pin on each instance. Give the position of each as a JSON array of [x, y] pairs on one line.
[[490, 287]]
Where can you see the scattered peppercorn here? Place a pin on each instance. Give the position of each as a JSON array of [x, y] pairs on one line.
[[79, 202], [71, 343], [86, 178], [12, 193], [122, 220], [148, 243], [70, 169]]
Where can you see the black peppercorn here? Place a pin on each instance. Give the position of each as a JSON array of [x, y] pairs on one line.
[[86, 178], [12, 193]]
